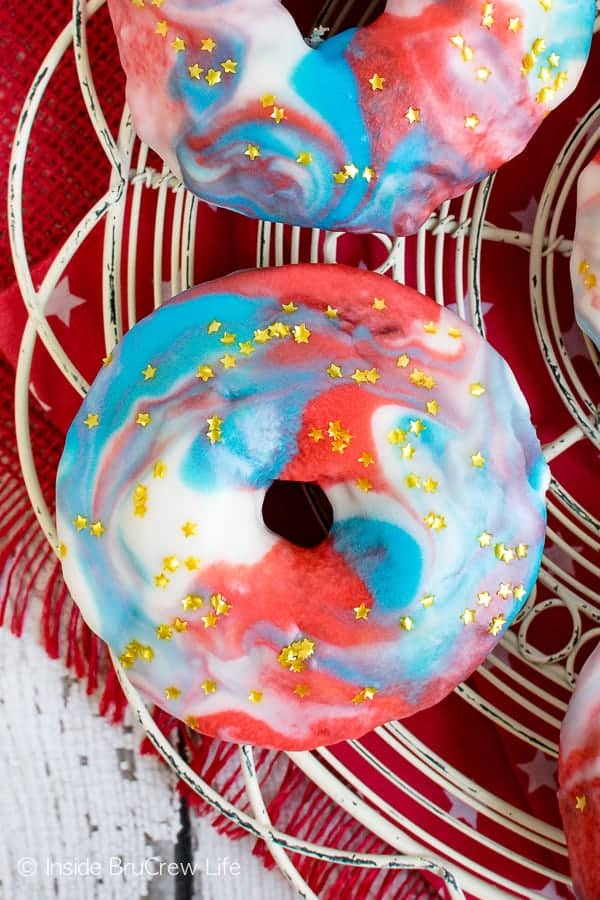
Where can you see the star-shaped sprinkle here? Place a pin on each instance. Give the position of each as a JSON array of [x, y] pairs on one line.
[[454, 333], [278, 114], [143, 419], [362, 611], [219, 604], [192, 602], [496, 625], [289, 307], [365, 459], [430, 328], [519, 591], [301, 334], [478, 460], [487, 15], [522, 550], [368, 173], [171, 563], [367, 693], [97, 528], [304, 158], [364, 484], [268, 100], [484, 598], [214, 326], [178, 44], [208, 44], [213, 77], [190, 529], [406, 623], [149, 372], [331, 312], [430, 486], [435, 521], [246, 348], [476, 389], [376, 82], [180, 625], [204, 373], [432, 407], [192, 722], [412, 481], [316, 435], [412, 115], [302, 690], [396, 436], [416, 426], [403, 361], [106, 360], [195, 71], [161, 581], [427, 600], [408, 451], [485, 539], [210, 620], [467, 616], [164, 632], [472, 121], [159, 469], [62, 551], [514, 24], [172, 693], [504, 590], [334, 371], [228, 361], [255, 696], [192, 563], [230, 66], [351, 170], [379, 304], [162, 28], [252, 151], [580, 802], [340, 177], [92, 420], [208, 686]]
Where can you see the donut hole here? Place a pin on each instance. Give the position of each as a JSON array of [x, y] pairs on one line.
[[298, 511], [334, 15]]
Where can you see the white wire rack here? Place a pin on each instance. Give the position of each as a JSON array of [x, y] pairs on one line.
[[534, 686]]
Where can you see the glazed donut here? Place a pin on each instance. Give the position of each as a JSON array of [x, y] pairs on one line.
[[579, 779], [181, 487], [367, 132], [585, 259]]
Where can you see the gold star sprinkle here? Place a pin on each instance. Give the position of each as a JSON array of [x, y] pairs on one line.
[[340, 177], [362, 611], [484, 598], [304, 158], [213, 77], [514, 24], [504, 590], [546, 5], [476, 389], [416, 426], [246, 348], [255, 696], [412, 481], [366, 694], [487, 15], [302, 690], [294, 656], [161, 581], [376, 82], [289, 307], [334, 371], [485, 539], [316, 435], [331, 312], [368, 174], [351, 170], [580, 802], [412, 115], [143, 419], [106, 360], [364, 484], [171, 563], [301, 334], [164, 632], [180, 625], [252, 151], [214, 326], [190, 529], [430, 486], [172, 693], [267, 100], [435, 521], [408, 451], [230, 66], [427, 600], [496, 625], [208, 686], [359, 376], [210, 620], [482, 73], [62, 551], [379, 304], [403, 361], [278, 114], [519, 591], [432, 407], [195, 71], [159, 470], [162, 28], [97, 528], [219, 604], [208, 44], [396, 436], [478, 460], [365, 459], [204, 373], [178, 45], [192, 563], [92, 420], [430, 328], [554, 60], [149, 372], [228, 361], [472, 121], [192, 722], [157, 3], [454, 333], [192, 602], [521, 550], [467, 616], [406, 623]]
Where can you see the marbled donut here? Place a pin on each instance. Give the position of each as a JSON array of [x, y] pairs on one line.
[[367, 132], [579, 778], [585, 260], [419, 439]]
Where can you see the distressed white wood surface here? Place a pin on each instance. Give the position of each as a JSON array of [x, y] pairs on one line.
[[75, 791]]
